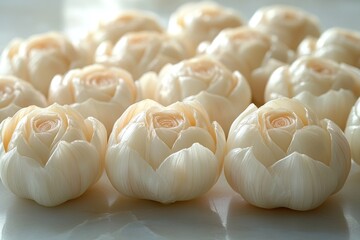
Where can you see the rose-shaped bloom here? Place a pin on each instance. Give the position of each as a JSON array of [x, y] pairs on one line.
[[165, 154], [140, 52], [197, 22], [51, 154], [224, 94], [282, 155], [339, 44], [16, 94], [352, 131], [251, 52], [116, 26], [39, 58], [320, 83], [96, 91], [290, 24]]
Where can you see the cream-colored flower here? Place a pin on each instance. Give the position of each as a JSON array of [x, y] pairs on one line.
[[39, 58], [197, 22], [116, 26], [320, 83], [51, 154], [352, 131], [281, 155], [165, 154], [16, 94], [339, 44], [140, 52], [96, 91], [290, 24], [247, 50], [224, 94]]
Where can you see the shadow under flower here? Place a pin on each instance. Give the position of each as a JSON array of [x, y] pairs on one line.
[[325, 222], [193, 219], [25, 219]]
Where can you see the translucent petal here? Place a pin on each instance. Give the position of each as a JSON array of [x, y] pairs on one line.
[[312, 141], [189, 173], [249, 177], [131, 175], [340, 152], [324, 105], [305, 183], [193, 135]]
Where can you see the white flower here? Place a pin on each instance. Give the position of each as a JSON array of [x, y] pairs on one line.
[[290, 24], [281, 155], [320, 83], [96, 91], [16, 94], [165, 154], [352, 131], [339, 44], [140, 52], [116, 26], [196, 22], [39, 58], [247, 50], [51, 154], [223, 94]]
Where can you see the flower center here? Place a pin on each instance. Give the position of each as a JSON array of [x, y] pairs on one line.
[[279, 120], [167, 119], [320, 68], [99, 80], [46, 123]]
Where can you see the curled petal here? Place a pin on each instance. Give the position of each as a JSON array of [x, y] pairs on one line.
[[325, 104], [304, 183], [189, 173], [64, 177], [249, 177], [131, 175], [340, 161], [309, 140]]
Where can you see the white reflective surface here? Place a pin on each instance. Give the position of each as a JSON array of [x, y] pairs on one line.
[[102, 213]]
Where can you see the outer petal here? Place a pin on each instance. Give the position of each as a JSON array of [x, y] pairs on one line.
[[340, 153], [312, 141], [249, 177], [304, 183], [324, 105], [131, 175], [147, 86], [69, 172], [188, 173], [352, 132], [249, 136], [106, 112], [8, 111], [224, 109]]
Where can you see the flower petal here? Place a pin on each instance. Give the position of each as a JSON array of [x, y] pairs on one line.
[[324, 105], [312, 141], [304, 183], [131, 175], [249, 177], [188, 173], [340, 161]]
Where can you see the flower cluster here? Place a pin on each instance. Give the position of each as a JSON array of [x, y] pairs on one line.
[[164, 111]]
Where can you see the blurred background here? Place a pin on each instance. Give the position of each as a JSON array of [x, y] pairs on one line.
[[19, 18]]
